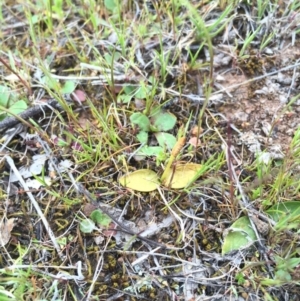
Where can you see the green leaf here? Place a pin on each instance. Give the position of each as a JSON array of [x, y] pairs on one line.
[[143, 92], [286, 214], [240, 236], [271, 282], [35, 19], [50, 82], [18, 107], [287, 264], [290, 209], [68, 87], [128, 94], [129, 90], [124, 98], [149, 151], [87, 226], [240, 278], [4, 96], [144, 180], [62, 143], [142, 137], [165, 140], [100, 218], [141, 120], [164, 121], [110, 4], [283, 276]]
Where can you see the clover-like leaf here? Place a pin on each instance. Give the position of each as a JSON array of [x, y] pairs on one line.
[[149, 151], [142, 91]]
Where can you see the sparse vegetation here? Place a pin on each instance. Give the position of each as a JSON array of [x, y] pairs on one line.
[[156, 154]]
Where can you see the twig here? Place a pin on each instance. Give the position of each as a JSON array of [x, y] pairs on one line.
[[35, 205], [230, 168], [29, 113]]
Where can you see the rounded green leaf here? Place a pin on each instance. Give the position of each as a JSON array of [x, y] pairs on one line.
[[149, 151], [164, 121], [110, 4], [240, 236], [142, 92], [18, 107], [165, 140], [129, 90], [100, 218], [68, 87], [143, 180], [141, 120], [142, 137]]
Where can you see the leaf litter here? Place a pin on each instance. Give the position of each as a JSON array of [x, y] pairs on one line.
[[6, 226]]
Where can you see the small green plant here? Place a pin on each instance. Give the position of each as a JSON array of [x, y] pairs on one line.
[[286, 215], [179, 176], [240, 278], [97, 217], [145, 92], [130, 91], [9, 103], [57, 8], [158, 124], [67, 88], [286, 271]]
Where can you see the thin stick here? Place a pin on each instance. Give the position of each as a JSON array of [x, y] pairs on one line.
[[230, 168], [27, 114]]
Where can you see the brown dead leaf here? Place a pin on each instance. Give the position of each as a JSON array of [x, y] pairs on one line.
[[5, 230]]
